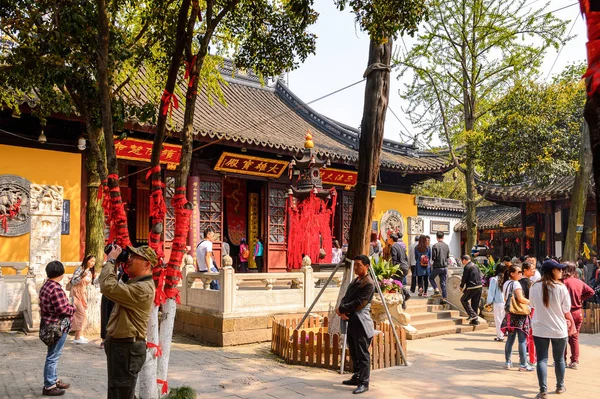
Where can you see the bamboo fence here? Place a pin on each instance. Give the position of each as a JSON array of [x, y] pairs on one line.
[[591, 319], [313, 346]]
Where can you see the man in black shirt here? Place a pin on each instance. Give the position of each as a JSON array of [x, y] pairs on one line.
[[439, 265], [528, 271], [471, 287]]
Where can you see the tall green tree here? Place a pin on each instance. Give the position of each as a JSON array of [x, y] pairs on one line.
[[535, 132], [51, 56], [467, 55], [268, 37]]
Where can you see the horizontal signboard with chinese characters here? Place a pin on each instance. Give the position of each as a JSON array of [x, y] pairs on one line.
[[141, 150], [339, 177], [249, 165]]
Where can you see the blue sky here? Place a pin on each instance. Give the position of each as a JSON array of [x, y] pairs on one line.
[[341, 58]]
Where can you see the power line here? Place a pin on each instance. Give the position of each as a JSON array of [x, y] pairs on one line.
[[407, 134], [561, 47], [35, 140]]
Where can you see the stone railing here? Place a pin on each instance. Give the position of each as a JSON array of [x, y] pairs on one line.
[[257, 293]]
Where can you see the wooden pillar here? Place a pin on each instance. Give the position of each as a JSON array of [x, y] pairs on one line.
[[549, 228], [501, 238], [523, 226]]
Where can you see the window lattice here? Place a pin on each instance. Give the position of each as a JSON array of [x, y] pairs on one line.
[[277, 201], [347, 205], [210, 206], [170, 216]]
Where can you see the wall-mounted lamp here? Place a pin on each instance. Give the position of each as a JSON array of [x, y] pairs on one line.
[[81, 143], [42, 138]]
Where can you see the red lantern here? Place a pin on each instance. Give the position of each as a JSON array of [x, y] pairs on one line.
[[527, 244], [518, 240], [506, 240]]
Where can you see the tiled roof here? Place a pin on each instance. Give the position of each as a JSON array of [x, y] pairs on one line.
[[440, 204], [491, 217], [273, 117], [560, 188]]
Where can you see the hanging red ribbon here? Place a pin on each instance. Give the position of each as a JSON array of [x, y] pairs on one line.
[[165, 386], [179, 248], [189, 65], [169, 101], [158, 275], [151, 345]]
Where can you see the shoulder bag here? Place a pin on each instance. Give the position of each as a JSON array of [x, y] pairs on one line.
[[51, 332], [513, 305]]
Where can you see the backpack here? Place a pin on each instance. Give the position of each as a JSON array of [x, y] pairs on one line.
[[424, 260], [246, 253]]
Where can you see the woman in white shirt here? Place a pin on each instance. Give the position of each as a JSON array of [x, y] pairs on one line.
[[496, 297], [552, 323], [336, 252]]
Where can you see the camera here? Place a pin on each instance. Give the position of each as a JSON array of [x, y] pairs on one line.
[[123, 256]]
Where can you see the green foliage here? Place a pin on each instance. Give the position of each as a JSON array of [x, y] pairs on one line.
[[536, 132], [183, 392], [468, 54], [384, 269], [383, 19]]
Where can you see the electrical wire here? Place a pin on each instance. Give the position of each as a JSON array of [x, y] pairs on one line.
[[36, 141], [561, 47]]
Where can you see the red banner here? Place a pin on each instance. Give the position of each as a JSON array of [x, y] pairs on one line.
[[339, 177], [248, 165], [141, 150], [235, 208], [193, 193]]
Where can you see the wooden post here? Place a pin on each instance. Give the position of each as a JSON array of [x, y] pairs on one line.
[[327, 341], [371, 140], [549, 222], [336, 351], [523, 227]]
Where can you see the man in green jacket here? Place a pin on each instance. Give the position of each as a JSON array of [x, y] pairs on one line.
[[125, 343]]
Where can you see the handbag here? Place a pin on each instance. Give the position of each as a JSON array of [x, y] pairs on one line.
[[516, 307], [52, 332]]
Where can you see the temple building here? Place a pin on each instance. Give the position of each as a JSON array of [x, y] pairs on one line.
[[532, 219], [239, 179]]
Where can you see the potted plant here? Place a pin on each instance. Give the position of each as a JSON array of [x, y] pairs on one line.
[[391, 287]]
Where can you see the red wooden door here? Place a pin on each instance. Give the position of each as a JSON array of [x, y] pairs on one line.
[[276, 233]]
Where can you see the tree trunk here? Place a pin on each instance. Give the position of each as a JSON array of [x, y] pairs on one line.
[[592, 117], [94, 218], [118, 216], [371, 141], [470, 204], [579, 197]]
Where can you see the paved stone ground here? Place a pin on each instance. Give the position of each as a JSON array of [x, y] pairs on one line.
[[458, 366]]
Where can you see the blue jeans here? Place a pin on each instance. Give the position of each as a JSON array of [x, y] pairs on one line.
[[54, 352], [559, 345], [443, 273], [522, 346]]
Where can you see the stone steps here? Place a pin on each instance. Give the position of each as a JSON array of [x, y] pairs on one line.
[[429, 319]]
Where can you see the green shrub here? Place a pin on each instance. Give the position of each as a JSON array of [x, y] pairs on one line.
[[183, 392]]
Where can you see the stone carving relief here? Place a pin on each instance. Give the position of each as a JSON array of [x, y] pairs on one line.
[[46, 200], [46, 213], [415, 225], [391, 221], [14, 206]]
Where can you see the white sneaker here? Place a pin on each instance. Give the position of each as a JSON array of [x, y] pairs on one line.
[[81, 340]]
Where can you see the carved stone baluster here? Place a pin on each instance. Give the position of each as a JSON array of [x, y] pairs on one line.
[[269, 283]]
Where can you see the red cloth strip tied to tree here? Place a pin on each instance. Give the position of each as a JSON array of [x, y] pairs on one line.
[[118, 217], [183, 214], [309, 224], [158, 352], [188, 71], [165, 386], [591, 10], [158, 210], [169, 101]]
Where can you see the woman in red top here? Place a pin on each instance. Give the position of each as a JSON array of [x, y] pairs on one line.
[[579, 292], [244, 255], [55, 309]]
